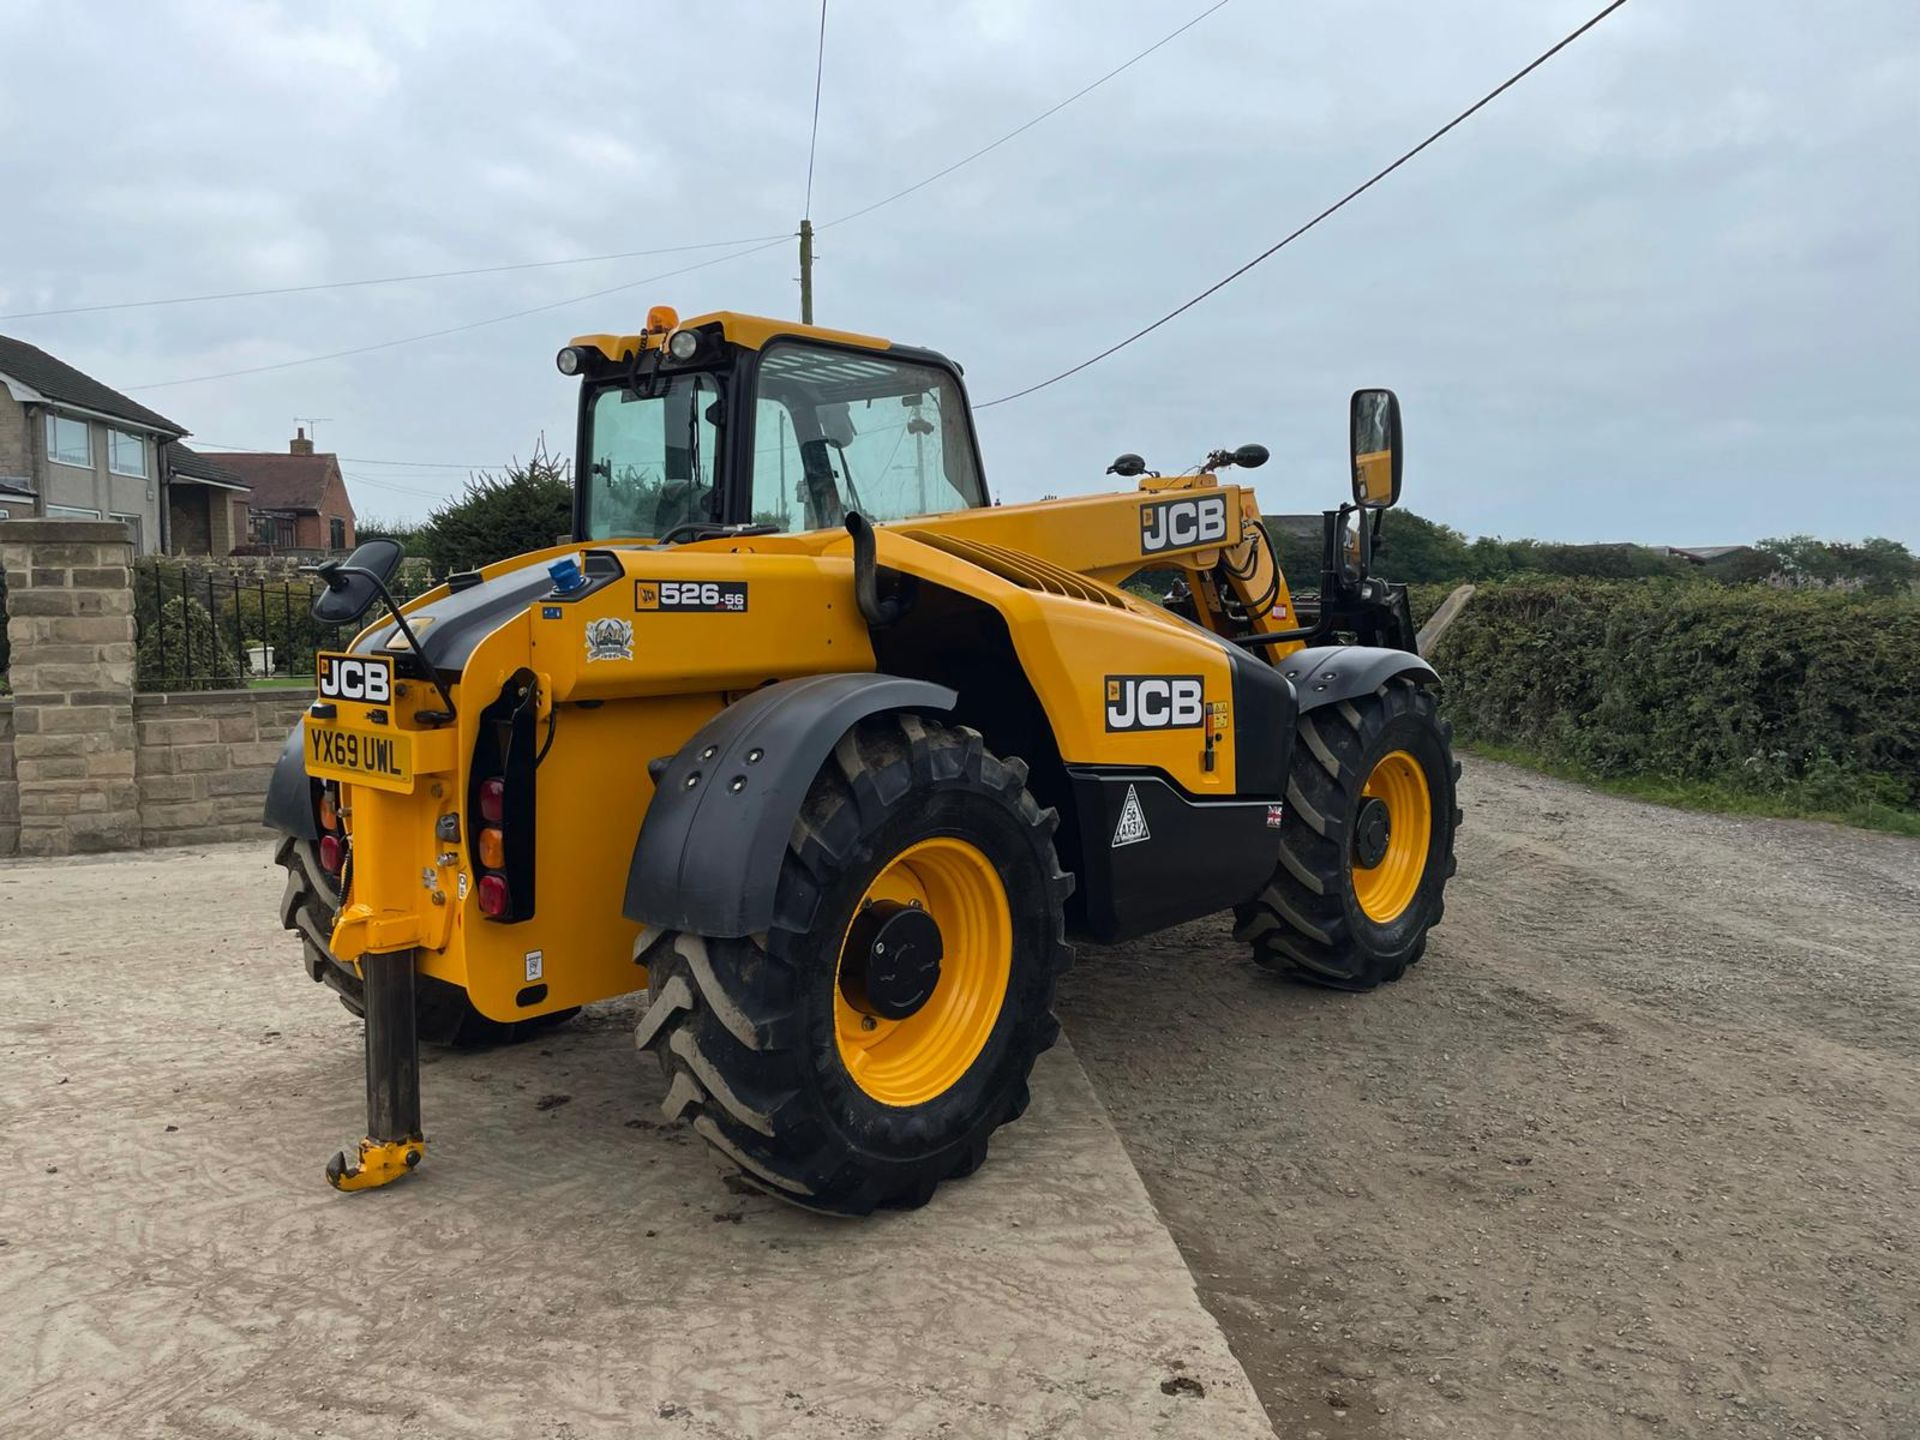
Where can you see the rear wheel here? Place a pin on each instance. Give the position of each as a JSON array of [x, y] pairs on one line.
[[443, 1012], [867, 1045], [1366, 842]]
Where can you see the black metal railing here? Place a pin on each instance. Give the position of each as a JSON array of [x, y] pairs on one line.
[[211, 628]]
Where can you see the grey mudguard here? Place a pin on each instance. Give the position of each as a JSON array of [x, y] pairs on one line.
[[289, 792], [708, 857], [1331, 673]]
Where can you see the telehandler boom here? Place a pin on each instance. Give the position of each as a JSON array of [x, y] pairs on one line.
[[831, 755]]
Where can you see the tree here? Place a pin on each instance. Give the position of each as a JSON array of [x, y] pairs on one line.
[[528, 507], [413, 535], [186, 650], [1877, 565], [1414, 550]]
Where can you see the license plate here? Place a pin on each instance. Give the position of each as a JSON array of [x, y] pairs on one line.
[[381, 758]]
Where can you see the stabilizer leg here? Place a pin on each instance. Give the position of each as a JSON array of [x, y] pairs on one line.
[[394, 1144]]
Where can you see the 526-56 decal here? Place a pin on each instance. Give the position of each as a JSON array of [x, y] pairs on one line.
[[724, 597]]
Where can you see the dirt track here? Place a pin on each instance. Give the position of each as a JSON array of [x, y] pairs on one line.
[[1633, 1152]]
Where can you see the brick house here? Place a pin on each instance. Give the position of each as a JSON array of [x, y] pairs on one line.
[[72, 448], [206, 504], [297, 501]]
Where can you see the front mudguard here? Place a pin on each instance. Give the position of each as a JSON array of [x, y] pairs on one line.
[[708, 856]]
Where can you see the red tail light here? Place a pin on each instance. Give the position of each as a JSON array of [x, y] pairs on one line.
[[494, 899], [493, 801], [332, 853]]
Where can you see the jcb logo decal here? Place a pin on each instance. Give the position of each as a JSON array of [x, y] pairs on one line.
[[1176, 524], [355, 677], [727, 597], [1154, 702]]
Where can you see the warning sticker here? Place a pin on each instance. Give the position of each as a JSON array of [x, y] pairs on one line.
[[1132, 828]]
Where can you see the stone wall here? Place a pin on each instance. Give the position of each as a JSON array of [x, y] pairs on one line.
[[70, 626], [85, 763], [203, 759], [9, 789]]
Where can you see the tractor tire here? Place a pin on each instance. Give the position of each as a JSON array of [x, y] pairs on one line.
[[1366, 842], [442, 1012], [831, 1080]]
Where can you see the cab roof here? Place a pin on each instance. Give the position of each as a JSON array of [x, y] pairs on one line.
[[749, 332]]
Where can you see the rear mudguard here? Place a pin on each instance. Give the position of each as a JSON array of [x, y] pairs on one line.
[[709, 852], [290, 791], [1328, 674]]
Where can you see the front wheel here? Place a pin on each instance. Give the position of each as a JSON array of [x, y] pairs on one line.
[[1366, 842], [865, 1048]]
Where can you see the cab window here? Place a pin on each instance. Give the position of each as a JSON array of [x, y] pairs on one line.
[[837, 430], [652, 465]]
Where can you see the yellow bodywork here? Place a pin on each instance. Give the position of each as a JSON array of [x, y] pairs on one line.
[[1069, 624], [611, 708]]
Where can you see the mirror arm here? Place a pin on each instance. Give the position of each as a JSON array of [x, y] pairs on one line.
[[413, 640], [334, 574]]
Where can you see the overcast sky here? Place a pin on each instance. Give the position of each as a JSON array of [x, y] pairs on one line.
[[1666, 290]]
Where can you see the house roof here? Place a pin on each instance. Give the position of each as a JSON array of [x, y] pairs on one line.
[[1705, 554], [286, 482], [55, 380], [192, 465]]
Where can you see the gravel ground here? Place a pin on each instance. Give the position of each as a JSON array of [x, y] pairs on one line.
[[1633, 1152]]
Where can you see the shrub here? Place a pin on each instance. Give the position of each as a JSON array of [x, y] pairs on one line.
[[1749, 686], [186, 650]]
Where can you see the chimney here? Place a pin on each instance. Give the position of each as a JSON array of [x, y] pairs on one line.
[[300, 444]]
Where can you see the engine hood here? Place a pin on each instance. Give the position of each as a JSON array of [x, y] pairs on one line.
[[452, 626]]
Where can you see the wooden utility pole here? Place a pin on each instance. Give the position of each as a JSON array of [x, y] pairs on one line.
[[806, 272]]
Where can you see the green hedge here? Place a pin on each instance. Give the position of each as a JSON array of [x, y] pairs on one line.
[[1774, 691]]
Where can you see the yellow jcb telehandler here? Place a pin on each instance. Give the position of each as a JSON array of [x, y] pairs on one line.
[[831, 755]]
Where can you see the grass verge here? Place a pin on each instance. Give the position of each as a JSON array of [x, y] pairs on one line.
[[1787, 804]]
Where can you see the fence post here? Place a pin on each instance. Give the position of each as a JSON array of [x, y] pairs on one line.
[[70, 623]]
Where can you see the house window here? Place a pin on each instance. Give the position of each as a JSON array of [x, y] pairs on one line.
[[337, 533], [69, 442], [126, 454], [134, 529], [71, 512]]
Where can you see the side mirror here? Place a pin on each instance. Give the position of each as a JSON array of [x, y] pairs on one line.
[[1127, 467], [1250, 457], [1373, 430], [354, 584]]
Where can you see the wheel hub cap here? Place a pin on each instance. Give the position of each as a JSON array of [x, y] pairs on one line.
[[1371, 832], [892, 960]]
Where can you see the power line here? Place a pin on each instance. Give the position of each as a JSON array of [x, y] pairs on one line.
[[1287, 240], [199, 444], [757, 246], [383, 279], [813, 139], [374, 280], [459, 329], [1022, 129]]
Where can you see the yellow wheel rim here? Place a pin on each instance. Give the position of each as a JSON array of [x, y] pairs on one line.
[[1385, 890], [911, 1061]]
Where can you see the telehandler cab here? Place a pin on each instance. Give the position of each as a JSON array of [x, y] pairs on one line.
[[831, 755]]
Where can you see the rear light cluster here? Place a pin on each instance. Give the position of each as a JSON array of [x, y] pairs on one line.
[[333, 840], [496, 898]]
